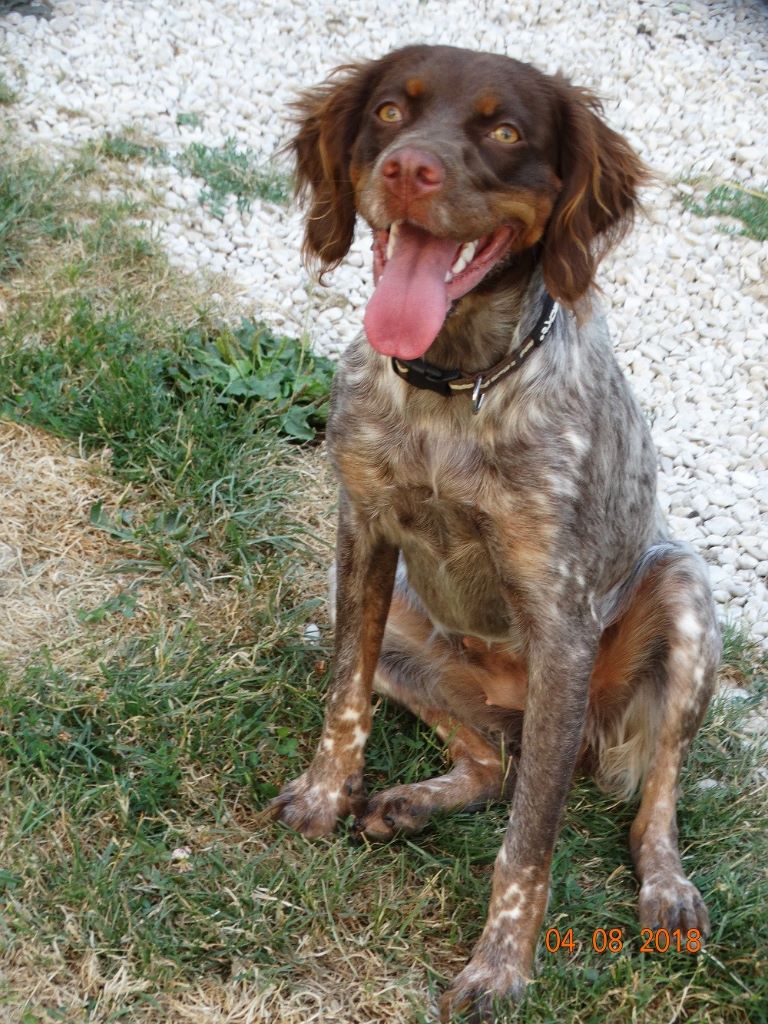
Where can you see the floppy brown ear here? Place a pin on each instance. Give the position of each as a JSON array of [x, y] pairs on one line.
[[601, 174], [329, 119]]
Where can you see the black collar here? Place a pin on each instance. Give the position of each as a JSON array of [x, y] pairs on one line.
[[428, 377]]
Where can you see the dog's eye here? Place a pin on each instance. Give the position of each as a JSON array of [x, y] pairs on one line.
[[505, 133], [390, 113]]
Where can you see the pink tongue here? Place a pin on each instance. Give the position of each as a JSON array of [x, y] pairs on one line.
[[408, 307]]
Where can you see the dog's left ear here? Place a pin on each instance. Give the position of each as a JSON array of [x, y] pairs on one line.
[[601, 174]]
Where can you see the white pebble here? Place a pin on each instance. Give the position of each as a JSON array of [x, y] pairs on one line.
[[312, 633]]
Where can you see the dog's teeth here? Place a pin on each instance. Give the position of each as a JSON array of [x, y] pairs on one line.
[[392, 238], [448, 277], [468, 251], [466, 255]]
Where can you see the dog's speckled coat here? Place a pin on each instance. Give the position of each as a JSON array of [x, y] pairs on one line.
[[506, 575]]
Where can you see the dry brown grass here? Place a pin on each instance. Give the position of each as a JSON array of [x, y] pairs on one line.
[[363, 989], [315, 508], [53, 561]]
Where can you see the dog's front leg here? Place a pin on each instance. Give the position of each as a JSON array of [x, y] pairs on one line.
[[332, 786], [560, 664]]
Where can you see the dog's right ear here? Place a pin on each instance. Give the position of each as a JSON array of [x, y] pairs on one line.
[[329, 119]]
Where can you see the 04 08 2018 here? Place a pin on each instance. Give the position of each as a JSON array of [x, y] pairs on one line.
[[612, 940]]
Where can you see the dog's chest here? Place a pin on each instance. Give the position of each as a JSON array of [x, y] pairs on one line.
[[437, 498], [419, 481]]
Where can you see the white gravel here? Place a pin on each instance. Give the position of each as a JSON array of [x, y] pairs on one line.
[[686, 81]]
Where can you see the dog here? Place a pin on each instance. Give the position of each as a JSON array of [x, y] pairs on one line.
[[503, 569]]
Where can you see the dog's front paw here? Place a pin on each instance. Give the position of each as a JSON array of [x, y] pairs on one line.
[[313, 806], [479, 993]]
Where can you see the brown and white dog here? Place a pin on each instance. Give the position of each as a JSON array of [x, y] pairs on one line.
[[502, 569]]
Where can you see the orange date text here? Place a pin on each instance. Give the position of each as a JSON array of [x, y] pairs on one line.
[[611, 940]]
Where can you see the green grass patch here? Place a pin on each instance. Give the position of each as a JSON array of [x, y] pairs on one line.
[[44, 208], [30, 206], [288, 385], [226, 171], [175, 418], [188, 120], [160, 747], [747, 205], [231, 170], [189, 406], [126, 147], [102, 380]]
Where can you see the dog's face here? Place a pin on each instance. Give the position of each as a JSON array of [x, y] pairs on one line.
[[457, 158], [459, 161], [451, 185]]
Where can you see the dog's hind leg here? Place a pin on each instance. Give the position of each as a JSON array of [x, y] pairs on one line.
[[672, 618], [429, 676], [477, 777]]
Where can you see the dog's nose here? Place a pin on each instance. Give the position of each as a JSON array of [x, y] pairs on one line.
[[412, 172]]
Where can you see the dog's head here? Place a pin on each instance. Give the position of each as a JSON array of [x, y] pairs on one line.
[[459, 161]]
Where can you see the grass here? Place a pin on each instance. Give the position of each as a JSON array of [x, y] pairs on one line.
[[207, 447], [740, 652], [226, 171], [288, 386], [748, 207], [160, 748], [126, 148], [188, 120], [137, 881], [193, 407], [29, 193], [229, 170]]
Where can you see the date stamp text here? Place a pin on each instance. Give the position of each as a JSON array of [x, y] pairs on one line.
[[612, 940]]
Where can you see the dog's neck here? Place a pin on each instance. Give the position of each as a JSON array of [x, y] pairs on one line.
[[481, 328]]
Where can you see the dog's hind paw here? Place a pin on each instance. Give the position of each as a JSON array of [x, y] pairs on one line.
[[399, 809]]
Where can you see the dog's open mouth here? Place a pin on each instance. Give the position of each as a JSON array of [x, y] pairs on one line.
[[417, 277]]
